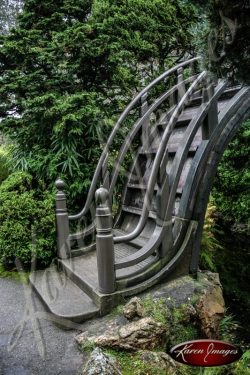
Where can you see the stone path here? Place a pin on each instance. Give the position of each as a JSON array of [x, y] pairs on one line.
[[41, 349]]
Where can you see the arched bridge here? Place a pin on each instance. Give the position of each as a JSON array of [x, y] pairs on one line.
[[171, 136]]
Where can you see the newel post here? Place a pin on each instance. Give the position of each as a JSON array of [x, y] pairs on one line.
[[62, 222], [104, 242], [181, 84], [211, 120], [145, 125]]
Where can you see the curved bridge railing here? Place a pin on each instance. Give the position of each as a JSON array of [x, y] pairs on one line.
[[176, 140], [101, 175]]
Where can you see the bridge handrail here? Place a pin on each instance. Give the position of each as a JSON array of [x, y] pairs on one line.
[[159, 155], [182, 152], [154, 241], [115, 130], [127, 143], [128, 140]]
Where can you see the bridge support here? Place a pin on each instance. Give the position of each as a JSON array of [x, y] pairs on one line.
[[104, 243]]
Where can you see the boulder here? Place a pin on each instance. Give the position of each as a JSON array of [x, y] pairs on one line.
[[101, 364], [143, 334], [210, 309], [134, 309]]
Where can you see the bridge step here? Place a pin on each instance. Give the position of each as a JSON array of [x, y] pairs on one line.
[[139, 186], [83, 270], [188, 113], [138, 211], [63, 298], [172, 148], [137, 242], [81, 250], [227, 94]]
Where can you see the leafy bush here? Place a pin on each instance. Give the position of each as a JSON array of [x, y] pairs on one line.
[[231, 189], [27, 223], [209, 243], [4, 170]]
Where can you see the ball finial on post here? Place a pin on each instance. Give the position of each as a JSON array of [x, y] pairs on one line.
[[60, 185], [101, 196]]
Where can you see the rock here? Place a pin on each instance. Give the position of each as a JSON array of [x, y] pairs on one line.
[[133, 309], [212, 277], [160, 360], [101, 364], [145, 333], [188, 313], [210, 310], [82, 339], [176, 292]]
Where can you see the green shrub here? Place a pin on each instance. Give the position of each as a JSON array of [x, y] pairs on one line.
[[27, 223], [231, 191], [209, 243], [4, 170]]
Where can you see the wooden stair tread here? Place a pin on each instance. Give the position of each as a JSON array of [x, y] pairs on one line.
[[227, 94], [84, 268], [189, 112], [138, 242], [63, 298], [171, 149], [123, 250], [137, 211], [140, 186]]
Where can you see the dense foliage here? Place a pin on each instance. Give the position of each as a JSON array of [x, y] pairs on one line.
[[232, 186], [70, 66], [4, 169], [229, 38], [224, 42], [210, 245], [224, 37], [27, 221], [9, 11]]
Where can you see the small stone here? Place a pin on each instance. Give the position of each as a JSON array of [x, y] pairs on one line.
[[83, 339], [133, 309], [101, 364]]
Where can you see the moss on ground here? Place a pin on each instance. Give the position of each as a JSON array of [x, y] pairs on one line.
[[20, 276]]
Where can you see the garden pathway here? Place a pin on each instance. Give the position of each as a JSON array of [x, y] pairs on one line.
[[39, 349]]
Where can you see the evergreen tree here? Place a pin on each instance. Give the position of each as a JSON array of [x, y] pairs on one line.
[[225, 37], [70, 65], [9, 9]]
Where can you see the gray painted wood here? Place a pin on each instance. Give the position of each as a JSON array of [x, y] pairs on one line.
[[184, 131]]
